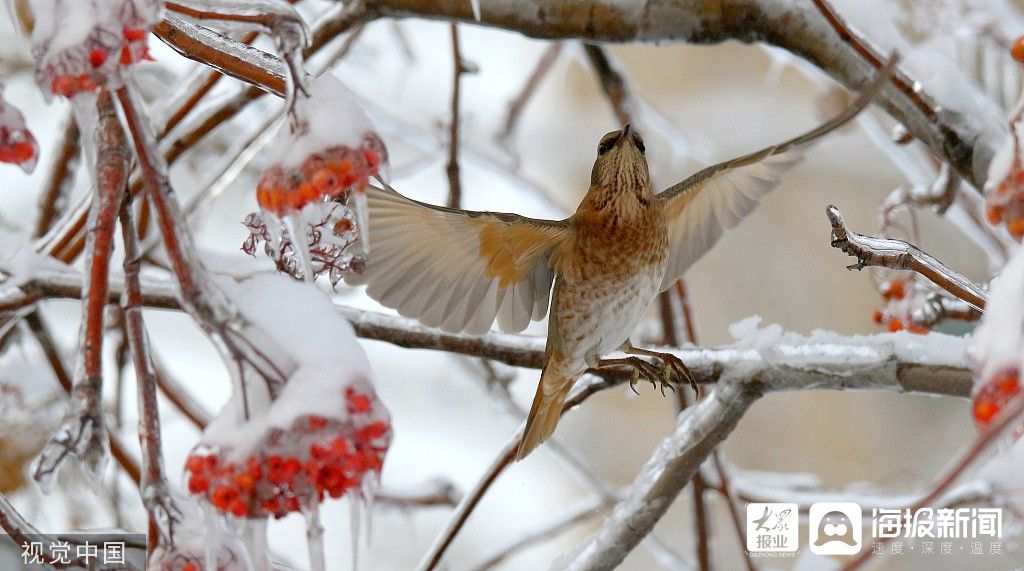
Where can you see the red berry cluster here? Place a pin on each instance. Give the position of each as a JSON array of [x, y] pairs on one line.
[[133, 50], [1006, 204], [318, 456], [893, 292], [17, 146], [994, 395], [326, 174]]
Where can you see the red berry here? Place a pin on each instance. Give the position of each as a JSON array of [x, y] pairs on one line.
[[895, 325], [18, 153], [238, 508], [357, 402], [994, 214], [222, 496], [189, 566], [1016, 227], [64, 85], [1017, 49], [994, 395], [877, 316], [894, 290], [134, 34], [372, 431], [97, 57], [198, 484]]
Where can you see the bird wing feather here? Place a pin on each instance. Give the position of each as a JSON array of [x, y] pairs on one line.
[[701, 208], [456, 269]]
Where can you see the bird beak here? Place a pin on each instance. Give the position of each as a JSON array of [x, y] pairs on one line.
[[626, 130]]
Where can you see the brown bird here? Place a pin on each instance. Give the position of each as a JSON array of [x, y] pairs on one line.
[[459, 270]]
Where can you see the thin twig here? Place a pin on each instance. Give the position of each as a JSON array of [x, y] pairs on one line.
[[155, 491], [60, 177], [899, 255], [612, 83], [462, 512], [441, 493], [452, 168], [518, 104], [179, 396]]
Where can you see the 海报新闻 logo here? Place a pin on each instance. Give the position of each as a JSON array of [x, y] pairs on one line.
[[835, 528]]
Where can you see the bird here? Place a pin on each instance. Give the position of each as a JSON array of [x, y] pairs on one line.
[[596, 271]]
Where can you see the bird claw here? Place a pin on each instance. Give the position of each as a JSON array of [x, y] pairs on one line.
[[671, 367], [658, 376]]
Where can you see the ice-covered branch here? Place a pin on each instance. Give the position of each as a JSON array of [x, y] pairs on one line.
[[899, 255], [962, 132], [913, 372], [83, 434], [156, 494], [710, 421], [230, 57]]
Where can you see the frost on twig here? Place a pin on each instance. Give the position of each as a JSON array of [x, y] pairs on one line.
[[899, 255]]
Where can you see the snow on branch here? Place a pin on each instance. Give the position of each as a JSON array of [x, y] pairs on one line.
[[899, 255], [905, 362], [765, 361], [959, 129], [803, 29]]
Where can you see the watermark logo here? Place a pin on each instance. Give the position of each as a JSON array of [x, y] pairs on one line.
[[835, 528], [773, 528]]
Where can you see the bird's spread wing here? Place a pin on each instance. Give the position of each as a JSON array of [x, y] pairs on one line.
[[699, 209], [457, 269]]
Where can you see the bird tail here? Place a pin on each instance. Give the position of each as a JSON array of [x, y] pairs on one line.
[[547, 408]]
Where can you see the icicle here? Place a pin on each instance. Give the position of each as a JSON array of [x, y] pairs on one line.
[[362, 211], [212, 545], [314, 534], [475, 4], [83, 106], [295, 223], [355, 502], [371, 483], [256, 543], [274, 228]]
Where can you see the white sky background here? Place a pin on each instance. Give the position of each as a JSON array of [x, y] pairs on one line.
[[777, 264]]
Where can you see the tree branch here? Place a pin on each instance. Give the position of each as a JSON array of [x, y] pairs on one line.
[[707, 424], [899, 255], [798, 27], [707, 365]]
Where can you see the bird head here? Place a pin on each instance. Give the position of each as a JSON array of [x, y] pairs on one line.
[[621, 165]]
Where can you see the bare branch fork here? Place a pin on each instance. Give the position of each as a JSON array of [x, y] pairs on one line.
[[899, 255], [700, 428]]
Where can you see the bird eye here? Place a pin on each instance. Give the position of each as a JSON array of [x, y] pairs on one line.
[[639, 143], [605, 146]]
